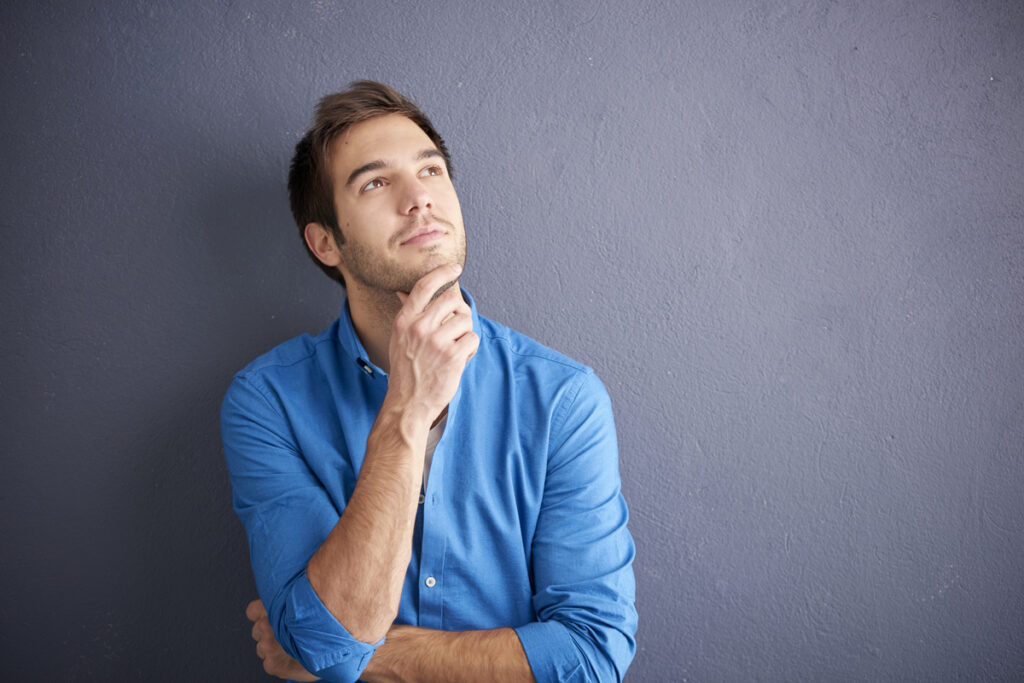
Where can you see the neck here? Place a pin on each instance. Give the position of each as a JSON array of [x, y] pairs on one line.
[[373, 316]]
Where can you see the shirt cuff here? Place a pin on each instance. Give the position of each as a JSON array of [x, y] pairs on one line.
[[321, 643], [551, 651]]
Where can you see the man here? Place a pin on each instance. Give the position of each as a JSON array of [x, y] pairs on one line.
[[428, 495]]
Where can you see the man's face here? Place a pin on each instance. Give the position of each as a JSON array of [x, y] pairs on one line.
[[396, 205]]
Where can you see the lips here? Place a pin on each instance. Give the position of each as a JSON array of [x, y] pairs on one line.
[[423, 235]]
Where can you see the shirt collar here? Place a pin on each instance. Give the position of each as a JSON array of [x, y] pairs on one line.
[[354, 349]]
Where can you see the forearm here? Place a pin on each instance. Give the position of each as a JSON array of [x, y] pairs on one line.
[[359, 569], [425, 656]]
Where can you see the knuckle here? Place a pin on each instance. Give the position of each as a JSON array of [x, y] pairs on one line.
[[419, 328], [436, 346]]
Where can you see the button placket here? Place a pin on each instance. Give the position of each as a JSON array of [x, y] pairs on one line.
[[433, 546]]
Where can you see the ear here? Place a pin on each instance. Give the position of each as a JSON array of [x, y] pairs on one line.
[[321, 242]]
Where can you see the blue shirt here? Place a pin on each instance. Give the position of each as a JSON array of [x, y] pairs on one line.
[[522, 523]]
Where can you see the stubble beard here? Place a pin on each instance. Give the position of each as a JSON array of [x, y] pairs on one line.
[[384, 277]]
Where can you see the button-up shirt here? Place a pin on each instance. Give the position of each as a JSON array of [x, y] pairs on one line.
[[522, 523]]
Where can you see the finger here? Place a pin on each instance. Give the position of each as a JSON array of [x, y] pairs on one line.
[[456, 326], [254, 610], [261, 630], [443, 289], [427, 286], [466, 346], [449, 303], [440, 338]]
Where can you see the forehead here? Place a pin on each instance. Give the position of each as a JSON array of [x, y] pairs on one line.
[[389, 138]]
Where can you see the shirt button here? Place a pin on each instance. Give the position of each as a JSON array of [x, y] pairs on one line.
[[430, 582], [365, 366], [422, 499]]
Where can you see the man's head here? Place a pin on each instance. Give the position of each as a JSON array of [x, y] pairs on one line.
[[370, 189]]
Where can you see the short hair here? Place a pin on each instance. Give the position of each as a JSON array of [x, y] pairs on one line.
[[310, 187]]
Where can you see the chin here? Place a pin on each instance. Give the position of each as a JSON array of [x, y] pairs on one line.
[[433, 261], [429, 262]]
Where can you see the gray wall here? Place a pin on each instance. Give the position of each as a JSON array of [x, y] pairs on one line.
[[790, 238]]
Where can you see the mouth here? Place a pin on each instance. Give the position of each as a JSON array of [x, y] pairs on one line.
[[424, 235]]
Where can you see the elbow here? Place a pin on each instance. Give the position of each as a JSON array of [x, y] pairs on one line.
[[310, 633], [604, 656], [566, 650], [604, 640]]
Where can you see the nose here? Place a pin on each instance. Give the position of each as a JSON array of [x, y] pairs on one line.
[[416, 198]]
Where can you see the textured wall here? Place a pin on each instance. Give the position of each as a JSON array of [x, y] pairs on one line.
[[790, 238]]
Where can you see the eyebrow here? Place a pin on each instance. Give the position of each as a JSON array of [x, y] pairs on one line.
[[428, 153]]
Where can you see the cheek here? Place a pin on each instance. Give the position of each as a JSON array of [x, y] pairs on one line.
[[451, 202]]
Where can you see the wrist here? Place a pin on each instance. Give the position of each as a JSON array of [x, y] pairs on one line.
[[397, 442], [407, 418], [385, 665]]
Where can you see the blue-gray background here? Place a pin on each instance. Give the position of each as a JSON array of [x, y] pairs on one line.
[[789, 237]]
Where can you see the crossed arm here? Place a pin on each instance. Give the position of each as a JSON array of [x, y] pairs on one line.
[[411, 654]]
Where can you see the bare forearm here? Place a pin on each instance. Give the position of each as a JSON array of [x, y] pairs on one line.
[[424, 656], [358, 570]]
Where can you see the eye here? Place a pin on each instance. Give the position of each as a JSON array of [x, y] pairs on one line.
[[431, 170], [373, 184]]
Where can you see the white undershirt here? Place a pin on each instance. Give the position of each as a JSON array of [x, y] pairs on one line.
[[432, 438]]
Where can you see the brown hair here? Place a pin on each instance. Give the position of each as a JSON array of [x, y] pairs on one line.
[[310, 188]]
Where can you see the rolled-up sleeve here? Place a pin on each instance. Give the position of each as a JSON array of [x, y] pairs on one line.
[[582, 551], [287, 515]]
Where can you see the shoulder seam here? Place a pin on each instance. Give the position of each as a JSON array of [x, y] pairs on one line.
[[563, 411], [552, 355], [245, 372], [259, 389]]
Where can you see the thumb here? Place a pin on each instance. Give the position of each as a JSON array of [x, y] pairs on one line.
[[403, 297]]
